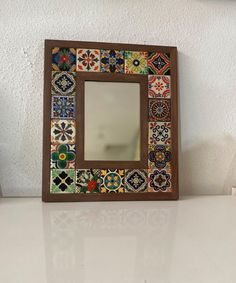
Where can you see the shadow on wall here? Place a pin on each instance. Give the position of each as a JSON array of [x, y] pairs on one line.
[[208, 168]]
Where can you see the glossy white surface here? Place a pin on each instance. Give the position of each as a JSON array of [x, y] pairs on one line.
[[191, 240]]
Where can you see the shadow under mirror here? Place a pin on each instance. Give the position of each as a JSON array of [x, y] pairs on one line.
[[112, 119]]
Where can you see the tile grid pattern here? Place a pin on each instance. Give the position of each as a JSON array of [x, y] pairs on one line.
[[159, 125], [64, 177]]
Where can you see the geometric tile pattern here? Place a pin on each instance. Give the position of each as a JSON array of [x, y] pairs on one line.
[[63, 83], [62, 156], [112, 61], [158, 86], [112, 181], [63, 59], [159, 181], [136, 180], [158, 63], [159, 110], [88, 60], [159, 156], [63, 107], [135, 62], [62, 181], [63, 131], [88, 180], [159, 133]]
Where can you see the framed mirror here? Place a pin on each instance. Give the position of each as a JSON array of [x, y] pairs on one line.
[[110, 122], [117, 137]]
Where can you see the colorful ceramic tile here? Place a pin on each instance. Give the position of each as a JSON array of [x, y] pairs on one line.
[[88, 60], [63, 83], [63, 107], [62, 131], [136, 180], [159, 110], [158, 63], [112, 181], [63, 59], [62, 181], [62, 156], [159, 156], [159, 86], [159, 181], [159, 133], [135, 62], [88, 181], [112, 61]]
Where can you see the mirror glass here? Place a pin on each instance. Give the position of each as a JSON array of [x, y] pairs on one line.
[[112, 121]]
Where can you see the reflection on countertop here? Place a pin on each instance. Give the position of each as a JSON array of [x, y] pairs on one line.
[[191, 240]]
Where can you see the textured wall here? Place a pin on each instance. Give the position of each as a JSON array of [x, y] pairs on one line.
[[203, 31]]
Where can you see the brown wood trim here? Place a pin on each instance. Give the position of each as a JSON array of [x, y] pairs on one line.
[[106, 77], [46, 122], [63, 197], [66, 197], [174, 121], [106, 45]]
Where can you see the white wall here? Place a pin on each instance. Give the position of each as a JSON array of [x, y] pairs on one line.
[[203, 31]]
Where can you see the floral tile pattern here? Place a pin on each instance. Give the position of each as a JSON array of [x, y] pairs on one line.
[[112, 61], [63, 83], [159, 86], [158, 63], [63, 59], [136, 180], [62, 181], [88, 60], [159, 156], [88, 180], [112, 181], [63, 107], [159, 133], [135, 62], [62, 156], [63, 131], [159, 181], [159, 110]]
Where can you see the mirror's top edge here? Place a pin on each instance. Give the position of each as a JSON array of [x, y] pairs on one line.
[[108, 45]]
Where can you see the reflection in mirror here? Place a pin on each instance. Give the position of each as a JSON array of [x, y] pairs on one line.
[[112, 121]]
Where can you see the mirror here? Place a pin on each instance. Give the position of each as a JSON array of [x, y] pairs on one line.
[[112, 121]]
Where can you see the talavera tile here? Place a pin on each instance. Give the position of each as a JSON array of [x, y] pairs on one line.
[[112, 61], [112, 181], [158, 63], [159, 110], [135, 62], [62, 181], [63, 107], [88, 180], [63, 156], [136, 180], [62, 131], [159, 87], [63, 83], [63, 59], [159, 133], [88, 60], [159, 181]]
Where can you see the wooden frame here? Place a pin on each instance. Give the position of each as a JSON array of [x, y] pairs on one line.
[[104, 77], [80, 163]]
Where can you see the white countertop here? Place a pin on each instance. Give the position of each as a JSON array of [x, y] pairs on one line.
[[187, 241]]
